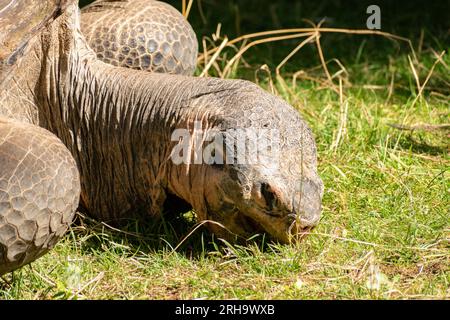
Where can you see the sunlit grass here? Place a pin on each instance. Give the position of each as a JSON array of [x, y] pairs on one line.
[[385, 228]]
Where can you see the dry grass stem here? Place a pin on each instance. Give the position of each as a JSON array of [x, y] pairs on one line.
[[421, 127], [421, 87], [214, 58], [320, 30], [343, 106]]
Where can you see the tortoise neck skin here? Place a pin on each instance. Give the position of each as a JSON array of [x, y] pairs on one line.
[[20, 21], [20, 25], [118, 123]]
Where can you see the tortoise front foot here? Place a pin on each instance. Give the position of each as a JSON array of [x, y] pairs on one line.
[[39, 192]]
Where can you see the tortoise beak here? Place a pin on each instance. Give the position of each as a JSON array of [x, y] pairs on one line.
[[307, 204]]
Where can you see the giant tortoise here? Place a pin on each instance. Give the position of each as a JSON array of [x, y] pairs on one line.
[[85, 130]]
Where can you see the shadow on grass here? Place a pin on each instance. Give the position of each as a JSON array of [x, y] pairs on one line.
[[145, 234], [420, 147]]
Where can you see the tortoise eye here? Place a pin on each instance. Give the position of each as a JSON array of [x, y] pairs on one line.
[[268, 195]]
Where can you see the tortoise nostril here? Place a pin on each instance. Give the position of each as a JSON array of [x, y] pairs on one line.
[[268, 195]]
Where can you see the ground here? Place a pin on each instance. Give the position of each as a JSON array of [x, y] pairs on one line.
[[385, 227]]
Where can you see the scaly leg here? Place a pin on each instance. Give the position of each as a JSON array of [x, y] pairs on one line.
[[39, 192]]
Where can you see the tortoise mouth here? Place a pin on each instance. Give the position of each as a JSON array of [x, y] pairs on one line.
[[300, 233], [291, 234], [251, 226], [278, 227]]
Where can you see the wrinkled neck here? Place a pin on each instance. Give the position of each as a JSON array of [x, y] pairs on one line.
[[117, 122], [118, 125], [43, 52], [17, 90]]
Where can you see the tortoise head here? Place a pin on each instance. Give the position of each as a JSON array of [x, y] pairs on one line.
[[271, 184]]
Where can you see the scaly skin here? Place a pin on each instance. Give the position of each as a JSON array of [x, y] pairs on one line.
[[39, 192], [117, 124]]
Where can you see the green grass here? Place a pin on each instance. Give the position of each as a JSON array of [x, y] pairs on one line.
[[385, 228]]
